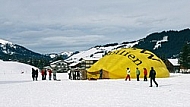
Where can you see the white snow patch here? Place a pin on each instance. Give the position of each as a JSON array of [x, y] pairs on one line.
[[159, 42], [10, 67]]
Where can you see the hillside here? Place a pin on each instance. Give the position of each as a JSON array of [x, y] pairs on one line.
[[14, 52], [97, 52], [12, 67], [167, 44]]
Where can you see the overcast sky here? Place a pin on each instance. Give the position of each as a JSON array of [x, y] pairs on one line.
[[48, 26]]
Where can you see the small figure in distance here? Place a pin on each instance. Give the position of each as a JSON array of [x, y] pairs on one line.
[[36, 74], [50, 73], [145, 74], [128, 74], [137, 73], [101, 73], [33, 74]]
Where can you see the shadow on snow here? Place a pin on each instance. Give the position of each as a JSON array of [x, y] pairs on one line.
[[12, 82]]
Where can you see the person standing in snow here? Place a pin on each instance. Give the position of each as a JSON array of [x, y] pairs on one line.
[[50, 73], [54, 74], [74, 75], [145, 74], [69, 73], [78, 75], [137, 73], [101, 73], [152, 76], [36, 74], [33, 74], [128, 74], [43, 73]]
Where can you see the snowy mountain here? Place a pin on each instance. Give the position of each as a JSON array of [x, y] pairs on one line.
[[98, 52], [4, 42], [14, 52], [63, 54], [166, 44], [10, 49]]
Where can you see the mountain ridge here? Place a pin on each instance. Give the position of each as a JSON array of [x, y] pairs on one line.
[[165, 44], [168, 49], [14, 52]]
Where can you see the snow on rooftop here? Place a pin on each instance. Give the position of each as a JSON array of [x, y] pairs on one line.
[[174, 62], [74, 63], [91, 58]]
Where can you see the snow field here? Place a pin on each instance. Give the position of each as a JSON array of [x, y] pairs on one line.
[[18, 90]]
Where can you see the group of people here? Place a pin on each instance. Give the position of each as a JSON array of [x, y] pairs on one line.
[[74, 75], [152, 75], [43, 73]]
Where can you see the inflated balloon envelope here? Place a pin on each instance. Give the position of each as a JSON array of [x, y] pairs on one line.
[[115, 63]]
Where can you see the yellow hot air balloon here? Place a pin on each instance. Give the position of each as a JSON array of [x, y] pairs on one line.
[[115, 63]]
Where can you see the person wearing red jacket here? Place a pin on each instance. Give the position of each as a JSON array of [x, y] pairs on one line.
[[43, 74], [50, 73], [128, 74], [145, 74]]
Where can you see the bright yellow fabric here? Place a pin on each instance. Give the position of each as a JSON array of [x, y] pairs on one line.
[[115, 63]]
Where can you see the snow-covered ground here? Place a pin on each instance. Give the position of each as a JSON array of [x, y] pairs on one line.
[[18, 90]]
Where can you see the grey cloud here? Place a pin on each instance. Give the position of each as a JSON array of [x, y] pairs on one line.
[[49, 26]]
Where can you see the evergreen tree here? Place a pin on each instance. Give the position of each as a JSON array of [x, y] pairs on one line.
[[184, 59]]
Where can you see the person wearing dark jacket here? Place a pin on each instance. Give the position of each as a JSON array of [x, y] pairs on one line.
[[45, 73], [152, 76], [36, 74], [137, 73], [33, 73], [101, 72]]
